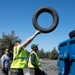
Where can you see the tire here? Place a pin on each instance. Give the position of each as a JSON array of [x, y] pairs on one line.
[[72, 34], [54, 15]]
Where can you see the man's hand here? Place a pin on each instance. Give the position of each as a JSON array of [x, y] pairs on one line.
[[2, 66]]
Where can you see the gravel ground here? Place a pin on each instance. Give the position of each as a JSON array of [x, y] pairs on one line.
[[49, 66]]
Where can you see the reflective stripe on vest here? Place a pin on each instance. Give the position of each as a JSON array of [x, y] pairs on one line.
[[37, 61], [19, 59]]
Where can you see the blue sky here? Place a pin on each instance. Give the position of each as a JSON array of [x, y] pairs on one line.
[[17, 15]]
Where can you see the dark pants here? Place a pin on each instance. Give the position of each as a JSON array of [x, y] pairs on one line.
[[17, 72], [35, 71], [5, 71]]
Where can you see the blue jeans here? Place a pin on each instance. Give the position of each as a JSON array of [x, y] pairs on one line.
[[5, 71]]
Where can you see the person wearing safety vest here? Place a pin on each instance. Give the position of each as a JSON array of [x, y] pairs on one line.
[[19, 55], [33, 62]]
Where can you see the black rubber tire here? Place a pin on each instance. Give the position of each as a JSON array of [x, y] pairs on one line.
[[54, 15], [72, 34]]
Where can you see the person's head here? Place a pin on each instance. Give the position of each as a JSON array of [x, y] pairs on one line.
[[16, 42], [6, 51], [34, 47]]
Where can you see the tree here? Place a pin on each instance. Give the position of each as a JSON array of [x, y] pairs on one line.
[[41, 53], [5, 42], [47, 55], [54, 54]]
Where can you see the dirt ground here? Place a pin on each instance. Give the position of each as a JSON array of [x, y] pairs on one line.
[[49, 66]]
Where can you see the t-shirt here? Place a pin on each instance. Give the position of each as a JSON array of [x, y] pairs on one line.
[[5, 60]]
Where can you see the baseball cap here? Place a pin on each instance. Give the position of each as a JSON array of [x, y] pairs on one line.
[[15, 41], [34, 45]]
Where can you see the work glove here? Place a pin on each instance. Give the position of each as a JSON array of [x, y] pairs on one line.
[[41, 68], [37, 32], [42, 71]]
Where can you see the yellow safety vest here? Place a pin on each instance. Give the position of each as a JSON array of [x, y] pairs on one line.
[[37, 60], [19, 59]]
